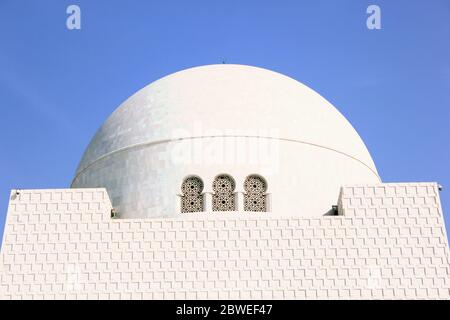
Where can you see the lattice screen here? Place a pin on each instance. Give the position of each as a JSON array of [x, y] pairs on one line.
[[224, 198], [192, 198], [255, 198]]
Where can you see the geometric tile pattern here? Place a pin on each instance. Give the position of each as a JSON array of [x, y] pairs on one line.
[[388, 242]]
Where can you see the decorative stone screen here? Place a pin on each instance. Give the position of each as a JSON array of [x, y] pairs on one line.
[[224, 198], [254, 197], [192, 197]]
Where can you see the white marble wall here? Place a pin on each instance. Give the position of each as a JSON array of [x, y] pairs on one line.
[[389, 241]]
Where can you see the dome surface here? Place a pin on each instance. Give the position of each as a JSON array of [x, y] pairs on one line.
[[232, 119]]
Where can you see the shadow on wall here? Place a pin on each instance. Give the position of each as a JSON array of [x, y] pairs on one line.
[[14, 195], [332, 212]]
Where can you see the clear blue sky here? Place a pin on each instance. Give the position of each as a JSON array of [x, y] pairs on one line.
[[58, 86]]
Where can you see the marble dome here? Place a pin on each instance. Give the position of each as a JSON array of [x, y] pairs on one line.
[[228, 119]]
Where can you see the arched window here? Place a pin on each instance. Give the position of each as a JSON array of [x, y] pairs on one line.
[[192, 197], [255, 198], [224, 198]]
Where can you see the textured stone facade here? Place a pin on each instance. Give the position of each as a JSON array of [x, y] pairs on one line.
[[388, 241]]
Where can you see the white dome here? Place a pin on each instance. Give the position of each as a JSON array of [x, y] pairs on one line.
[[232, 119]]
